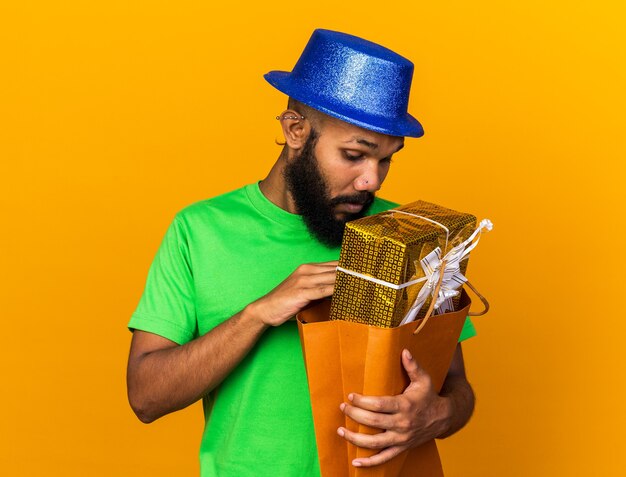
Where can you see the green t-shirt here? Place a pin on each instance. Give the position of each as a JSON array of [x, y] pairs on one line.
[[218, 256]]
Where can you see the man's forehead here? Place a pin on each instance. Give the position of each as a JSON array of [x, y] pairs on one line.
[[350, 133], [373, 143]]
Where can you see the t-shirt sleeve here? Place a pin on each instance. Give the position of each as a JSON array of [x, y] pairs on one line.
[[468, 330], [167, 306]]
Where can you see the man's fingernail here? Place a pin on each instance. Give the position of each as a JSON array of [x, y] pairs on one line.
[[408, 354], [342, 406], [350, 397], [356, 463], [341, 432]]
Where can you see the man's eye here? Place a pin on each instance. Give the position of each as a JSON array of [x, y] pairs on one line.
[[353, 156]]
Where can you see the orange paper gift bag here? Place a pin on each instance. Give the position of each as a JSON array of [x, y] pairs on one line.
[[343, 357]]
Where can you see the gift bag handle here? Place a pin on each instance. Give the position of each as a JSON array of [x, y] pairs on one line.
[[482, 298], [436, 292]]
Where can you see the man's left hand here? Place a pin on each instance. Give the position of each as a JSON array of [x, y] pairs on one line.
[[407, 420]]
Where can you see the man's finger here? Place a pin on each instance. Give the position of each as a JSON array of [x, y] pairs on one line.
[[380, 458], [324, 266], [320, 285], [379, 420], [323, 276], [314, 280], [319, 291], [380, 440], [386, 404], [320, 275], [413, 370]]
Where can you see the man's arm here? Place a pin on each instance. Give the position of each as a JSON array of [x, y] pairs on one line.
[[459, 393], [414, 417], [163, 376]]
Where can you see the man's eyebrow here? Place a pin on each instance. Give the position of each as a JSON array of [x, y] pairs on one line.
[[365, 142]]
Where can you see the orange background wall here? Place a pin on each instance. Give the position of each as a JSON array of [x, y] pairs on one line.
[[114, 115]]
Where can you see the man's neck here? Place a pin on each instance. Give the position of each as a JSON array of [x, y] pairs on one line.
[[274, 187]]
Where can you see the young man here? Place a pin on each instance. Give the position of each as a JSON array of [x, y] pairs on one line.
[[216, 319]]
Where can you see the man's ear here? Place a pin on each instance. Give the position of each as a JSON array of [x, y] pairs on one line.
[[296, 129]]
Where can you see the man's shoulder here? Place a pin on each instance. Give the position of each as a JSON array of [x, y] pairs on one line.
[[228, 202]]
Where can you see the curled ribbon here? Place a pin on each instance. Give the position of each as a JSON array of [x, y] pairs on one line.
[[452, 280]]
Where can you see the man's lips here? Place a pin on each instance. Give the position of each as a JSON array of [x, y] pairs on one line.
[[351, 207]]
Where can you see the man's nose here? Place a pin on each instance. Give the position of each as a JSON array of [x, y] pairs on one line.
[[369, 180]]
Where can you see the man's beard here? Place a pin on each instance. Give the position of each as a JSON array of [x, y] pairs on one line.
[[310, 193]]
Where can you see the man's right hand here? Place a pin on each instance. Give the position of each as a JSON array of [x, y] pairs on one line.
[[307, 283], [164, 376]]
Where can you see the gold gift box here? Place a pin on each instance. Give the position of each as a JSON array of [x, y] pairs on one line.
[[388, 246]]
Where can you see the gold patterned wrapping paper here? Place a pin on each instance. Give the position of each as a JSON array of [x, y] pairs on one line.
[[389, 246]]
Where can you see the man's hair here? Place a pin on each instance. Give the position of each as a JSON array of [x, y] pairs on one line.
[[315, 117]]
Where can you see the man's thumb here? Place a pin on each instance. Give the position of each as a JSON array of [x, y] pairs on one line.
[[410, 365]]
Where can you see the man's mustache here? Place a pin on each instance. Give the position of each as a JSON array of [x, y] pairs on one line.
[[362, 198]]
